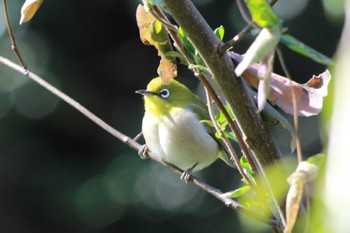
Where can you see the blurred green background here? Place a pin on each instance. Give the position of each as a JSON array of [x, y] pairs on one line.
[[61, 173]]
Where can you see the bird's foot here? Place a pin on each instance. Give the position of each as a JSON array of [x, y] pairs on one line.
[[187, 175], [143, 152]]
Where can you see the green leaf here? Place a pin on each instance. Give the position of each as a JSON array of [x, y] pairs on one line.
[[220, 117], [187, 43], [262, 13], [228, 135], [199, 68], [238, 192], [220, 31], [245, 164], [250, 203], [299, 47], [208, 122], [317, 159], [160, 36], [198, 60], [170, 55]]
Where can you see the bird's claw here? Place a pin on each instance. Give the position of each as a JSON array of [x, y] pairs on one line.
[[186, 176], [143, 151]]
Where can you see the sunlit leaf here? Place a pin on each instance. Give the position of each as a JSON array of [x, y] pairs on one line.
[[238, 192], [172, 55], [249, 202], [263, 45], [228, 135], [318, 159], [309, 96], [299, 47], [28, 10], [220, 32], [220, 117], [262, 13], [245, 164], [208, 122], [187, 43], [199, 68], [152, 32]]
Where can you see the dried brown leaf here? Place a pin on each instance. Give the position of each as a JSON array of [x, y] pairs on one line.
[[309, 96], [152, 32], [28, 10]]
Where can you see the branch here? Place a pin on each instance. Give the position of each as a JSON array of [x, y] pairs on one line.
[[221, 66], [132, 143]]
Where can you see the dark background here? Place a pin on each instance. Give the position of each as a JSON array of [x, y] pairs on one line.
[[59, 172]]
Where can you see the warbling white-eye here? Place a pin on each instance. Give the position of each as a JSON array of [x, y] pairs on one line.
[[173, 130]]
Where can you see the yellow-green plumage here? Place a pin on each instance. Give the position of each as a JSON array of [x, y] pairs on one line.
[[172, 129]]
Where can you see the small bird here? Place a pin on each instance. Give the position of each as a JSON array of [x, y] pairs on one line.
[[173, 130]]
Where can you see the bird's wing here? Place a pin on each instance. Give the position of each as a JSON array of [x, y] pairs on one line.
[[202, 111]]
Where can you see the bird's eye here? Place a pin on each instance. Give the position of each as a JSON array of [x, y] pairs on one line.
[[165, 93]]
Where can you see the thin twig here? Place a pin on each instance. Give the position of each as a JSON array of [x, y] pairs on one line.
[[273, 196], [244, 13], [230, 121], [227, 143], [297, 131], [12, 37], [138, 136], [67, 99], [295, 104], [237, 38], [242, 34]]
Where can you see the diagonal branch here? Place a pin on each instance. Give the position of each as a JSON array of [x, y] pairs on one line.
[[131, 143]]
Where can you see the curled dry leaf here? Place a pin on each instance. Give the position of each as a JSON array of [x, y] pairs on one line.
[[29, 9], [304, 173], [309, 96], [152, 32]]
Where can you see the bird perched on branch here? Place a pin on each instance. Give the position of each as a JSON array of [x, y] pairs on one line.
[[173, 127]]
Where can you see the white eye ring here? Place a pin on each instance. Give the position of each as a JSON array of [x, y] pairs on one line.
[[164, 93]]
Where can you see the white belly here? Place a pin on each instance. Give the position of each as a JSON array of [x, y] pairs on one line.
[[180, 140]]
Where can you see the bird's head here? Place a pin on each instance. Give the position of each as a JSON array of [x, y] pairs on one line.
[[161, 98]]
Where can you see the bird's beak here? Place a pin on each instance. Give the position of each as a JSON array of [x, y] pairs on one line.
[[144, 92]]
